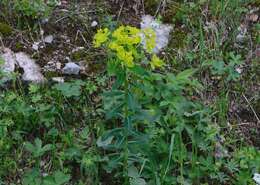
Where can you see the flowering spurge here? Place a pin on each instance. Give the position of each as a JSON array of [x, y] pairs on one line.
[[126, 43]]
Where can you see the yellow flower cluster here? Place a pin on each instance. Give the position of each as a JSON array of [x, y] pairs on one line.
[[125, 40], [127, 35], [156, 62], [101, 37], [150, 39]]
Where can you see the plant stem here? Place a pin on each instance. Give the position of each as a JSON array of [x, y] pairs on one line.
[[181, 159], [126, 129]]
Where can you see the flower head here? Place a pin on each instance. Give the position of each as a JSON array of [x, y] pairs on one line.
[[149, 39], [156, 62], [101, 37]]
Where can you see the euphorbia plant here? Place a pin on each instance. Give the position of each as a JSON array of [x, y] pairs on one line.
[[130, 52]]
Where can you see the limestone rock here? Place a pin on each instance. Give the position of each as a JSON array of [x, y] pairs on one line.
[[31, 70], [162, 31]]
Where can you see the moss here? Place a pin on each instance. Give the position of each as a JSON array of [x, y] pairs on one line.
[[151, 6], [5, 29], [179, 39], [18, 47], [78, 55]]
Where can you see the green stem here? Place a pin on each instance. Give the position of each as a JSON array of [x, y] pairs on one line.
[[181, 159], [126, 114]]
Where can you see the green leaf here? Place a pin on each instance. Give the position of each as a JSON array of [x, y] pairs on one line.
[[32, 177], [218, 67], [112, 139], [133, 172], [184, 75], [137, 181], [105, 142], [38, 143], [47, 148], [69, 89], [61, 178], [29, 147]]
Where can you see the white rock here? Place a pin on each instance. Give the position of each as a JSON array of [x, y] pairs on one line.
[[162, 32], [239, 70], [71, 69], [31, 70], [94, 24], [257, 178], [45, 20], [58, 79], [35, 46], [48, 39]]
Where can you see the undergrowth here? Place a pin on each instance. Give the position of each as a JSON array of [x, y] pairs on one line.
[[147, 119]]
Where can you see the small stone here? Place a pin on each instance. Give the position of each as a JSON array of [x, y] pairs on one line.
[[48, 39], [58, 79], [35, 46], [239, 70], [94, 24], [71, 69], [45, 20]]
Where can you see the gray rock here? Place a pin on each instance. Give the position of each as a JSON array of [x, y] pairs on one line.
[[32, 72], [162, 32], [71, 69]]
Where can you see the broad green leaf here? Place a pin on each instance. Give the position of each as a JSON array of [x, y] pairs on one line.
[[105, 142], [69, 89], [133, 172], [137, 181], [61, 178]]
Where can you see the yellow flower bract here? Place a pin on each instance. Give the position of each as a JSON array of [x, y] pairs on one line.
[[156, 62], [150, 39], [125, 41], [101, 37]]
